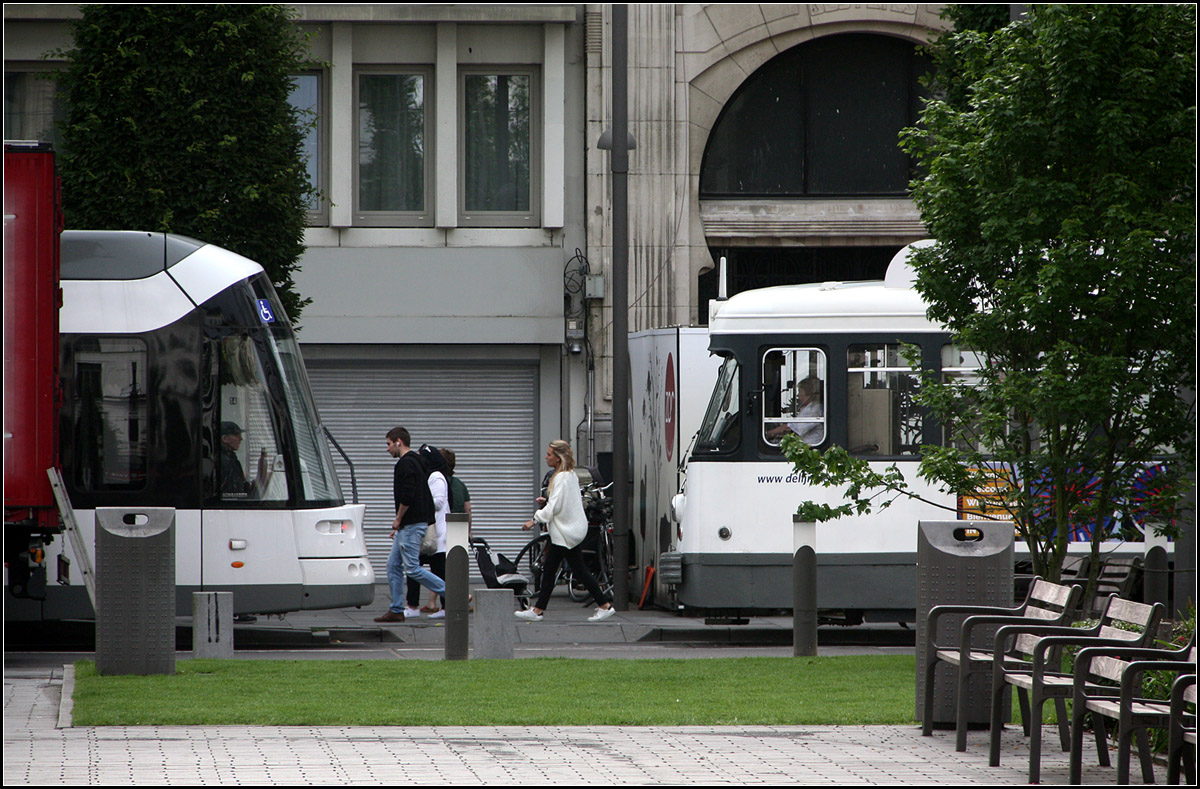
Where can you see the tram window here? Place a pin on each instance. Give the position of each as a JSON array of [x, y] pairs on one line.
[[111, 414], [721, 430], [251, 465], [318, 481], [960, 365], [794, 395], [882, 417]]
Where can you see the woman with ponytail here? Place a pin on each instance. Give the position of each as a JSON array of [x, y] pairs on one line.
[[564, 518]]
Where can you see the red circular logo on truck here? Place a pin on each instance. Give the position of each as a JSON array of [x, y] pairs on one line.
[[669, 406]]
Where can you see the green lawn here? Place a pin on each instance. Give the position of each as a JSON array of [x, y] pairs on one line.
[[869, 689]]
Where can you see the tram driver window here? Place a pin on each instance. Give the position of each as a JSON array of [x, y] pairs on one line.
[[250, 465], [794, 395], [882, 417]]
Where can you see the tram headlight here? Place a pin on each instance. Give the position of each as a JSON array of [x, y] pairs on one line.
[[678, 502]]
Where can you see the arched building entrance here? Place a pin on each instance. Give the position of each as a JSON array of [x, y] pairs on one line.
[[802, 179]]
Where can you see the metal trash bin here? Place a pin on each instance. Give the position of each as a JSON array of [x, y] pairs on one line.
[[135, 590], [960, 563]]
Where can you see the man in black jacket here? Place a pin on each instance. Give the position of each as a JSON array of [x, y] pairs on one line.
[[414, 512]]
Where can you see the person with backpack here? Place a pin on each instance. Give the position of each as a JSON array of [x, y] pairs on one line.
[[433, 551], [414, 512]]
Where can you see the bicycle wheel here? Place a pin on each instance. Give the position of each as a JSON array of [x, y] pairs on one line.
[[534, 550], [575, 589], [604, 558]]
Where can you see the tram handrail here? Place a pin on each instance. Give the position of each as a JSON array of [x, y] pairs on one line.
[[349, 463]]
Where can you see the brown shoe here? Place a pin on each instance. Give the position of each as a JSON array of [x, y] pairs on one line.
[[390, 616]]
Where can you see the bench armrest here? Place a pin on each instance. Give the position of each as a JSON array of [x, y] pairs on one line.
[[1042, 631], [1131, 676], [1178, 689], [938, 611]]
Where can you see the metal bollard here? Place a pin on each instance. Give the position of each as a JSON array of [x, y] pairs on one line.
[[804, 588], [495, 632], [458, 628], [212, 624]]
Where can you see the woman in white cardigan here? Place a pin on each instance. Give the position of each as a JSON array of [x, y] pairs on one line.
[[565, 520]]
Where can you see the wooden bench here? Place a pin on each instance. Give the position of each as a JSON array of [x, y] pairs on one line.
[[1181, 746], [1108, 684], [1046, 603], [1074, 570], [1028, 657]]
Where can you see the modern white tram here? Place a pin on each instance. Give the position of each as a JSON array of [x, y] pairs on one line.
[[826, 362], [183, 387]]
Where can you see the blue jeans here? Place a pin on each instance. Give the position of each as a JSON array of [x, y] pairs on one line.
[[405, 560]]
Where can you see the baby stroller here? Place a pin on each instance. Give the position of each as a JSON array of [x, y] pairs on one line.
[[500, 573]]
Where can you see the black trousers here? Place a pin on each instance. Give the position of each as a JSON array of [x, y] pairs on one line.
[[574, 556]]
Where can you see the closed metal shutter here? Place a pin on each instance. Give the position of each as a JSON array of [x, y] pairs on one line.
[[487, 413]]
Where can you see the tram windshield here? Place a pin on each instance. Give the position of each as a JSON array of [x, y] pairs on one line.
[[721, 430], [318, 482], [272, 447]]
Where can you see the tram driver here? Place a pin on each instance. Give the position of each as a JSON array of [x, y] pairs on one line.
[[233, 478], [807, 404]]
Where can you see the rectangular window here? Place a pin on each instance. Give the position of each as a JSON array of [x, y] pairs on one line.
[[392, 162], [111, 414], [31, 109], [960, 366], [499, 149], [882, 417], [794, 394], [306, 98]]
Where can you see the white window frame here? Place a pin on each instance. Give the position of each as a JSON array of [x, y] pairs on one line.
[[774, 423], [532, 216], [318, 216], [424, 217]]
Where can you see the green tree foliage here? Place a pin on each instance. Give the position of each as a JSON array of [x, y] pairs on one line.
[[180, 122], [1058, 179]]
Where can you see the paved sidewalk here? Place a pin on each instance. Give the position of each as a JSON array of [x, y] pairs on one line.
[[39, 750], [42, 748]]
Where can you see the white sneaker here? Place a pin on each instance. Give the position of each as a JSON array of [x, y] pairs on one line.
[[440, 614], [602, 614], [412, 613], [529, 615]]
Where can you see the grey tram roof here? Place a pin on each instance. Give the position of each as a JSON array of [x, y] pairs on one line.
[[121, 254]]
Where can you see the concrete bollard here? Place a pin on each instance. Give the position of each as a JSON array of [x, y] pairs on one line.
[[458, 622], [1156, 584], [804, 588], [212, 624], [495, 629]]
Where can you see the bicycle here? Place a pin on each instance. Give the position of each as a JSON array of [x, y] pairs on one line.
[[598, 550], [597, 547]]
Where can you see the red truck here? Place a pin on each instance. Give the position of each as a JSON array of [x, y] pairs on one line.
[[32, 390]]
